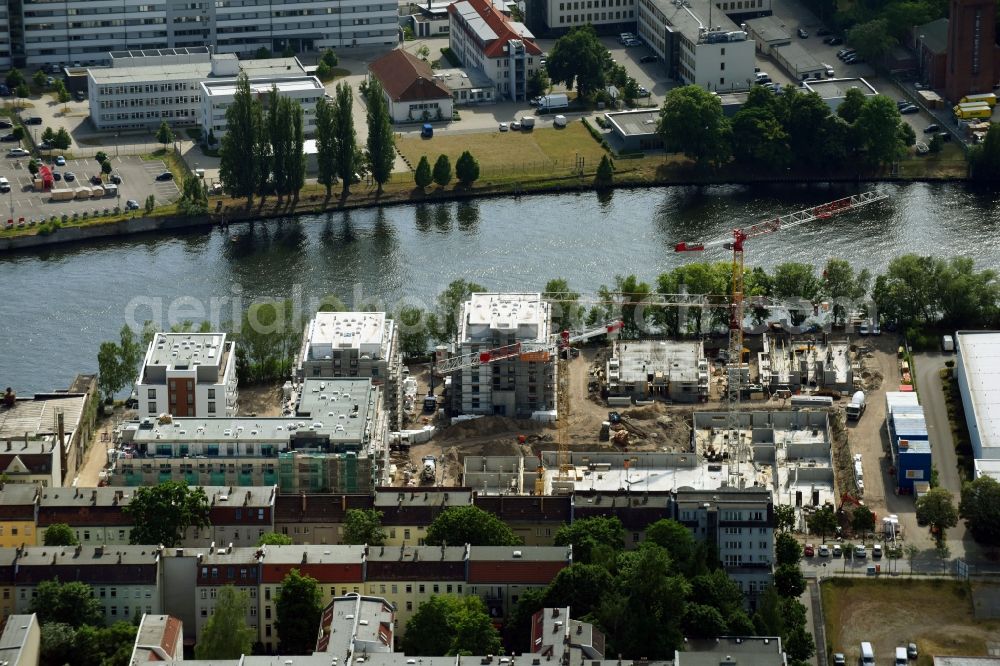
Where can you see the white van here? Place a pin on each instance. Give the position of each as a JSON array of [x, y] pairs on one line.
[[901, 658], [4, 185], [867, 654], [947, 343]]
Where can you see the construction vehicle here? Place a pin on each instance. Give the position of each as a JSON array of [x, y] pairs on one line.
[[857, 406], [429, 471], [735, 242]]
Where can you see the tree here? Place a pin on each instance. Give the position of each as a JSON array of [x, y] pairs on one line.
[[936, 508], [822, 521], [980, 507], [718, 590], [589, 534], [758, 138], [60, 534], [442, 171], [39, 79], [226, 634], [106, 168], [62, 94], [605, 171], [538, 84], [346, 138], [285, 137], [364, 526], [33, 167], [164, 134], [877, 131], [329, 58], [872, 39], [676, 539], [273, 539], [984, 159], [381, 140], [467, 169], [787, 549], [241, 155], [624, 300], [567, 314], [579, 59], [579, 586], [297, 609], [62, 139], [701, 621], [162, 513], [414, 336], [194, 196], [449, 625], [943, 552], [796, 282], [14, 78], [23, 91], [18, 132], [48, 134], [72, 603], [459, 525], [269, 335], [788, 580], [806, 120], [58, 644], [150, 204], [422, 176], [449, 305], [850, 108], [112, 375], [842, 286], [107, 646], [862, 520], [326, 144], [784, 515], [691, 122], [799, 645]]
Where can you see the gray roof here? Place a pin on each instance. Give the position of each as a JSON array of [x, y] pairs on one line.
[[837, 88], [416, 554], [184, 349], [43, 555], [475, 22], [770, 29], [340, 554], [357, 625], [798, 58], [39, 415], [13, 641], [514, 553], [460, 78], [635, 123], [690, 16], [934, 35], [734, 651], [407, 497]]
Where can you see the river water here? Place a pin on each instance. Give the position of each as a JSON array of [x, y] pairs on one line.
[[59, 304]]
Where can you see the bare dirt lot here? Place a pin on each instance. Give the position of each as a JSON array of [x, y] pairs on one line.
[[260, 400], [935, 614]]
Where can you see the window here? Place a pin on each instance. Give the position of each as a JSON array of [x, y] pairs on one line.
[[409, 605], [151, 407], [211, 407], [211, 391], [421, 589], [151, 394]]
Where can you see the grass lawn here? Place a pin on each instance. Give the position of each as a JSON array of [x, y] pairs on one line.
[[541, 150], [935, 614], [949, 163]]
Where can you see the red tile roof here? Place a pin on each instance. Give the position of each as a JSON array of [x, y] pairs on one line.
[[407, 78], [499, 24]]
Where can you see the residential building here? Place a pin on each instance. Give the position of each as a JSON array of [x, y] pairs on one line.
[[355, 344], [218, 95], [160, 638], [96, 515], [501, 574], [314, 518], [412, 91], [19, 514], [977, 368], [407, 576], [668, 369], [354, 624], [973, 54], [77, 32], [635, 511], [406, 513], [519, 384], [482, 37], [66, 417], [8, 593], [239, 567], [32, 461], [535, 519], [125, 579], [732, 651], [142, 89], [20, 642], [698, 44], [188, 374], [789, 364], [237, 516], [341, 447], [563, 640]]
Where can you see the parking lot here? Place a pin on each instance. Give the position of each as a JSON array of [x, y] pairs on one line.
[[137, 176]]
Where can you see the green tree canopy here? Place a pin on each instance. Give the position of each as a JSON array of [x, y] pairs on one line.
[[164, 134], [872, 39], [788, 580], [588, 535], [162, 513], [274, 539], [579, 586], [691, 122], [242, 153], [364, 526], [579, 60], [449, 625], [226, 634], [459, 525], [701, 621], [823, 521], [442, 171], [449, 305], [297, 611], [862, 520], [106, 646], [676, 539], [381, 140], [784, 515], [467, 169], [850, 108], [605, 171], [326, 143], [422, 175], [346, 141], [980, 507], [877, 130], [759, 139], [567, 314], [58, 644], [787, 549], [60, 534], [71, 603], [936, 508]]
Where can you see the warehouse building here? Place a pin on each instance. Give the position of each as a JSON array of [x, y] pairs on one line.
[[834, 91], [977, 367], [636, 129], [665, 369], [909, 442]]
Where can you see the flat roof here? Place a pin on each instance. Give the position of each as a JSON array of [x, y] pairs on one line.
[[980, 361], [526, 313], [798, 58], [363, 331], [356, 623], [678, 360], [181, 71], [635, 123], [691, 16], [732, 650], [837, 88], [44, 556], [512, 553], [344, 404], [182, 350], [14, 636], [983, 467], [159, 53], [458, 78], [769, 29], [262, 86], [271, 67], [416, 554], [39, 416]]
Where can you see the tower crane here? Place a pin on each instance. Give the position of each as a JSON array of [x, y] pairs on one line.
[[736, 304]]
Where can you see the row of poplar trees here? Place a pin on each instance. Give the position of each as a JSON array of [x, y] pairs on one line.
[[262, 149]]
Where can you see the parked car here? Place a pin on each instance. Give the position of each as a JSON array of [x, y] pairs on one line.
[[56, 175], [5, 125], [4, 185], [96, 180], [803, 34], [33, 120], [166, 175], [839, 659], [18, 152], [860, 552], [116, 178], [515, 125], [647, 58], [80, 95], [824, 550], [837, 550], [864, 328], [503, 127], [911, 651], [45, 145], [930, 129], [643, 92], [60, 161], [877, 552], [836, 41], [809, 550], [69, 176], [9, 137], [906, 110], [131, 204], [876, 329]]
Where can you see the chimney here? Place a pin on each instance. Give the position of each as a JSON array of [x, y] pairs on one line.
[[303, 502], [9, 444], [62, 431], [25, 441], [119, 557], [304, 556], [247, 499]]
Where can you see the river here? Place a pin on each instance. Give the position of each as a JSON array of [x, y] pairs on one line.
[[60, 303]]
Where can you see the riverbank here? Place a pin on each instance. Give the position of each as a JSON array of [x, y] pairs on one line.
[[642, 172]]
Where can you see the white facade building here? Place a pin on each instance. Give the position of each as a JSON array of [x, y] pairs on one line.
[[143, 88], [977, 367], [188, 374], [216, 96], [698, 43], [79, 31], [564, 14], [484, 38]]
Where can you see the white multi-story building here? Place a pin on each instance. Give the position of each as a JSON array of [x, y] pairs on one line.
[[141, 89], [697, 43], [519, 384], [560, 15], [188, 374], [355, 344], [41, 33], [216, 96], [484, 38]]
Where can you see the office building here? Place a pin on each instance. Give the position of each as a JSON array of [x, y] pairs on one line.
[[697, 43], [666, 369], [972, 61], [80, 33], [559, 16], [355, 344], [141, 89], [523, 381], [482, 37], [218, 95], [188, 375]]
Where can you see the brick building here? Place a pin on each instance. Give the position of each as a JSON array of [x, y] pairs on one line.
[[972, 50]]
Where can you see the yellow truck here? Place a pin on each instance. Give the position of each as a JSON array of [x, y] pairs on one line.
[[965, 112], [988, 98]]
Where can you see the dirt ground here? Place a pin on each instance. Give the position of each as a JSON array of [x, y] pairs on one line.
[[262, 400], [937, 616]]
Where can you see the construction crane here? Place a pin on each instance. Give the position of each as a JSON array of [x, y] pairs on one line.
[[734, 367]]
